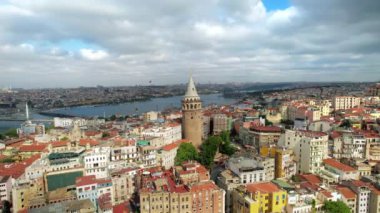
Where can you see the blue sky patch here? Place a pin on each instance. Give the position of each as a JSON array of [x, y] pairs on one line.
[[271, 5]]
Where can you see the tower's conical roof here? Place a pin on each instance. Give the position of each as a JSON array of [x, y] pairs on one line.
[[191, 90]]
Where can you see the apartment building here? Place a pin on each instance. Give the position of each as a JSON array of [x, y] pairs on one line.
[[260, 197], [310, 148], [96, 162], [345, 102]]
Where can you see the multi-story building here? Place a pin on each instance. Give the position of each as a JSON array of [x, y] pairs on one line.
[[28, 194], [310, 149], [5, 188], [374, 203], [259, 136], [263, 197], [160, 193], [82, 206], [363, 193], [96, 162], [191, 172], [353, 146], [285, 165], [242, 201], [348, 197], [228, 181], [124, 150], [123, 185], [89, 187], [166, 155], [250, 169], [147, 154], [150, 116], [345, 102], [343, 171], [168, 134], [219, 123]]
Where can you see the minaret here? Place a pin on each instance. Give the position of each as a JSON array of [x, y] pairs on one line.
[[192, 122], [27, 111]]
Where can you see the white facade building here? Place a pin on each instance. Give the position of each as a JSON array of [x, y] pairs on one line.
[[166, 155], [88, 187], [310, 148], [345, 102], [248, 170], [96, 162], [169, 133], [5, 188]]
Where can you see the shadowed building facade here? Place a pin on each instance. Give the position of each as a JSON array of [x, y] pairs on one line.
[[192, 123]]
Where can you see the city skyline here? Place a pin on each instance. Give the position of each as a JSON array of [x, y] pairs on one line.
[[49, 44]]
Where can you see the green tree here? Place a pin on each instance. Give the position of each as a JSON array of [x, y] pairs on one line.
[[6, 206], [113, 117], [7, 160], [346, 124], [64, 139], [105, 135], [2, 137], [335, 207], [313, 203], [226, 146], [11, 133], [209, 149], [185, 152]]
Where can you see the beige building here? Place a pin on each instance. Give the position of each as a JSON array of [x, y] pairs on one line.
[[348, 197], [345, 102], [310, 148], [260, 136], [192, 121], [228, 181], [166, 155], [28, 194], [150, 116], [203, 197], [123, 185], [5, 188], [374, 203], [219, 123]]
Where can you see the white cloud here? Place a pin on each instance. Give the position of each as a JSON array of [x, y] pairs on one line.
[[94, 55], [221, 40]]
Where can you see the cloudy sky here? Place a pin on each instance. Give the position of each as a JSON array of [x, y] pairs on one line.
[[63, 43]]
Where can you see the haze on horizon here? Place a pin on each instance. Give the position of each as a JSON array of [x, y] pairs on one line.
[[123, 42]]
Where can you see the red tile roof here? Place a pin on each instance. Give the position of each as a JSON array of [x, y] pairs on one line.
[[121, 208], [347, 192], [335, 134], [358, 183], [203, 186], [85, 180], [326, 193], [84, 142], [338, 165], [266, 128], [313, 179], [263, 187], [33, 148], [59, 143], [17, 169], [312, 133], [92, 133], [171, 146]]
